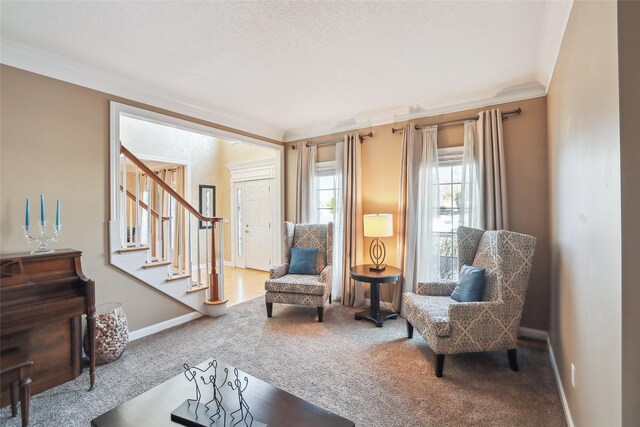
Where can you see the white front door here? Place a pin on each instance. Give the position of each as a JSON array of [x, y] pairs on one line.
[[258, 224]]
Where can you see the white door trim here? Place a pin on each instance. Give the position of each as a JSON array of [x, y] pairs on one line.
[[253, 170]]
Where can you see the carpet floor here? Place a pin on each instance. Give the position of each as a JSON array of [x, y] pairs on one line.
[[372, 376]]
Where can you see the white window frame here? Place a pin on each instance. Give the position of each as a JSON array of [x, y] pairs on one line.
[[449, 157], [328, 168]]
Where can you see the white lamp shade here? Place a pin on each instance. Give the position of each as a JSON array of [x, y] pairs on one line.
[[378, 225]]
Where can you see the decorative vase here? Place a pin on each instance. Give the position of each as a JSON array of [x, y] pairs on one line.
[[112, 333]]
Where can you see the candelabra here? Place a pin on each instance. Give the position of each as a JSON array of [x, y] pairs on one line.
[[42, 238]]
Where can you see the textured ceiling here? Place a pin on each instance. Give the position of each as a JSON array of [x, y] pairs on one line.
[[286, 67]]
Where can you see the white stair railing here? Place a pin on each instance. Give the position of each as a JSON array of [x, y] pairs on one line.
[[166, 235]]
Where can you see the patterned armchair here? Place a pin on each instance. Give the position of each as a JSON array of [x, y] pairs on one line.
[[451, 327], [301, 289]]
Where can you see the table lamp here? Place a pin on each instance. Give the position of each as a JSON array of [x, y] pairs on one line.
[[378, 225]]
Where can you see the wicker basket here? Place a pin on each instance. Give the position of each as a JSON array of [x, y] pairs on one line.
[[112, 333]]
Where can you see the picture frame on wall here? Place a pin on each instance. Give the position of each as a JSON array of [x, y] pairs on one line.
[[207, 206]]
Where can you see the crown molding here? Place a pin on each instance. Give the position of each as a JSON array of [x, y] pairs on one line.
[[252, 164], [46, 63], [38, 61], [554, 24], [513, 93]]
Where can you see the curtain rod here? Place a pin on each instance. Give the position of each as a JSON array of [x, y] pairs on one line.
[[517, 112], [333, 141]]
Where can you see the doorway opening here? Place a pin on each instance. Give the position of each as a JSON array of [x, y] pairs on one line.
[[160, 140]]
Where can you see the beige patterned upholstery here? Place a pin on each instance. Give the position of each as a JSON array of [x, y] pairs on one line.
[[300, 289], [491, 324]]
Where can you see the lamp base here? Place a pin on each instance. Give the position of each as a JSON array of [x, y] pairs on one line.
[[380, 267]]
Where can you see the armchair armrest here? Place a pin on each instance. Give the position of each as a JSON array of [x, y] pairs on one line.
[[437, 289], [488, 324], [473, 310], [278, 271], [327, 274]]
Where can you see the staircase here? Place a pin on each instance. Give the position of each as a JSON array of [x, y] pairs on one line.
[[159, 238]]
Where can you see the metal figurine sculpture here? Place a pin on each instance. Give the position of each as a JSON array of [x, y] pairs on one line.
[[209, 415], [217, 396], [192, 375], [244, 407]]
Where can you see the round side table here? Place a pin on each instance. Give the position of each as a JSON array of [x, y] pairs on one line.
[[362, 273]]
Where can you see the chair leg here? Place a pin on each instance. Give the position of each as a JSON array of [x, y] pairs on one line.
[[439, 364], [14, 398], [330, 298], [320, 313], [269, 309], [409, 330], [25, 395], [512, 353]]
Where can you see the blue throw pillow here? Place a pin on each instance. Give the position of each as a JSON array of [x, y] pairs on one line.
[[470, 284], [303, 261]]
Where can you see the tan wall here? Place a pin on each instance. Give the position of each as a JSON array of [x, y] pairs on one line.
[[527, 171], [629, 70], [584, 150], [55, 139]]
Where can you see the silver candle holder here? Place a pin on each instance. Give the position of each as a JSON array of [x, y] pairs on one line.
[[42, 238]]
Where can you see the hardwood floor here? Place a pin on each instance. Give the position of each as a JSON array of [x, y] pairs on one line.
[[242, 284]]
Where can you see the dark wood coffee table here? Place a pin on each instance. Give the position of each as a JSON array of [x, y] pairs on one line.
[[268, 404]]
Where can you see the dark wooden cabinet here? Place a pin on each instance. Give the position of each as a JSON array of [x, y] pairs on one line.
[[42, 299]]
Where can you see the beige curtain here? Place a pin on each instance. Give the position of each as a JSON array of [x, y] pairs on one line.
[[493, 178], [417, 205], [305, 182], [180, 231], [351, 221], [153, 204], [409, 163], [175, 178]]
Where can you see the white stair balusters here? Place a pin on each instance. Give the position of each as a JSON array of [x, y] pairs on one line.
[[159, 222], [220, 227], [138, 236], [149, 218], [160, 233], [207, 279], [123, 201], [179, 216], [198, 274], [190, 250]]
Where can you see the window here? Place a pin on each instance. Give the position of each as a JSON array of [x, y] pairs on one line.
[[325, 192], [447, 216]]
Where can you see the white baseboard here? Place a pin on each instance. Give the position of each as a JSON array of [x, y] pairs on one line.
[[536, 334], [563, 398], [139, 333]]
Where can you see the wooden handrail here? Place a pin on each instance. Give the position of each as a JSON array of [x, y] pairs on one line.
[[145, 206], [129, 155], [213, 277]]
